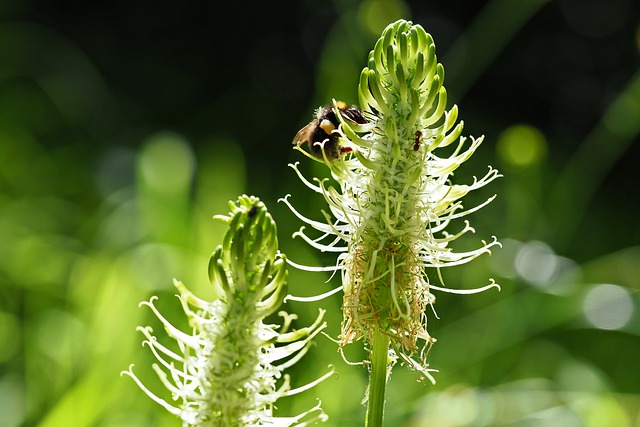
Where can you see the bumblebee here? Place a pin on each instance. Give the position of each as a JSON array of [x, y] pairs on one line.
[[322, 127]]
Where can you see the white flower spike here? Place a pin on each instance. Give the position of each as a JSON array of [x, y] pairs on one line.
[[394, 200], [227, 369]]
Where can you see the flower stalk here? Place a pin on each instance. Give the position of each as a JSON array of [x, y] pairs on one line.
[[229, 370], [380, 370], [394, 205]]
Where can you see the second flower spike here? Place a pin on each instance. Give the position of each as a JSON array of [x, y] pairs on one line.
[[229, 368]]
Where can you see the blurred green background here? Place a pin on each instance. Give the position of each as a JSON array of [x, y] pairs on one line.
[[125, 126]]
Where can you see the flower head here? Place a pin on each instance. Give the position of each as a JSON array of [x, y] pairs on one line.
[[395, 201], [226, 369]]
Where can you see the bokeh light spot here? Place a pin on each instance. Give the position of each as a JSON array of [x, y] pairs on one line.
[[167, 163], [456, 407], [376, 15], [522, 145], [606, 411], [61, 337], [608, 307], [577, 376], [536, 263]]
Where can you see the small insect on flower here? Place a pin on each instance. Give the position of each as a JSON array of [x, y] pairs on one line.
[[416, 144], [322, 130]]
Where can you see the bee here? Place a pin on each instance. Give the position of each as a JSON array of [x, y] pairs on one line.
[[322, 127], [416, 144]]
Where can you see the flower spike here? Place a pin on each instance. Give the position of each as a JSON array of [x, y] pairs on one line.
[[228, 369], [395, 200]]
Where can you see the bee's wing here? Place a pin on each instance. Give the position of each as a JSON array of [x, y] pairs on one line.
[[303, 134], [354, 115]]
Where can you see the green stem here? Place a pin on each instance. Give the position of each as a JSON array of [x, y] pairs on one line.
[[377, 379]]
